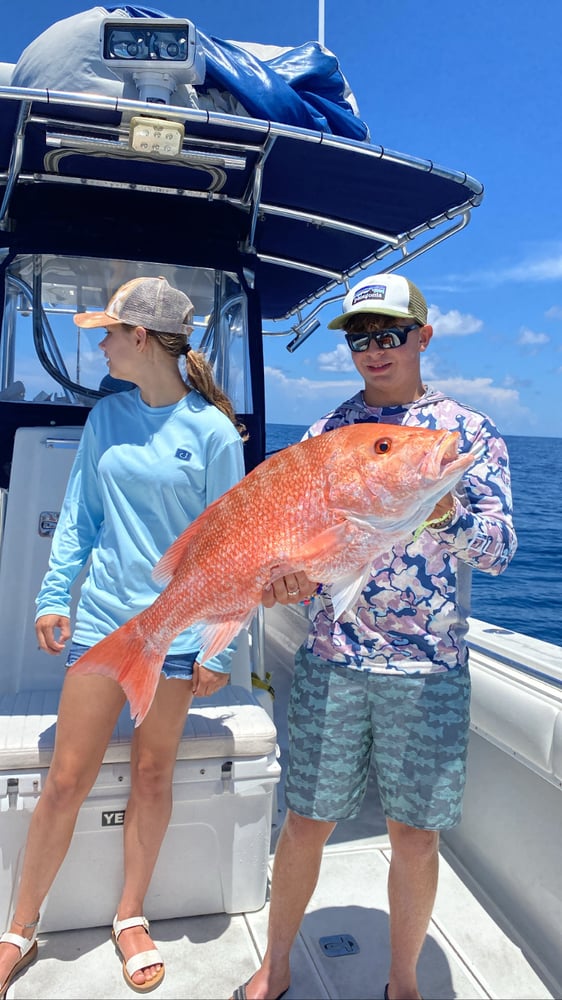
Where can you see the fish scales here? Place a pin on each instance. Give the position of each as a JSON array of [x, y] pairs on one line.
[[327, 506]]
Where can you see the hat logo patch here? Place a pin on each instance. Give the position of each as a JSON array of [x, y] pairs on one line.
[[371, 292], [183, 454]]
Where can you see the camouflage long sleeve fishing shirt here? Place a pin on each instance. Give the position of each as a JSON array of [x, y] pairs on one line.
[[412, 615]]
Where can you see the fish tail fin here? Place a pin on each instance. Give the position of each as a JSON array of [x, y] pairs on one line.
[[129, 659]]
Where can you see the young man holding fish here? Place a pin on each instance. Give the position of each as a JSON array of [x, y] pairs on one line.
[[386, 684]]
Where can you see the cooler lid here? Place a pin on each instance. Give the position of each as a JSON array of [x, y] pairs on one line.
[[231, 724]]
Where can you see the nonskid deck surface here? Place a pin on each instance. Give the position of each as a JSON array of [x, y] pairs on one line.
[[467, 953]]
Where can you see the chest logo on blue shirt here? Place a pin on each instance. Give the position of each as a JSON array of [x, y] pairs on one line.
[[183, 454]]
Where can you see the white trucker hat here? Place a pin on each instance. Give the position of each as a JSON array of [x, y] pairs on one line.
[[385, 294]]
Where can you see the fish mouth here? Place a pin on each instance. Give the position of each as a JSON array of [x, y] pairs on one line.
[[444, 459]]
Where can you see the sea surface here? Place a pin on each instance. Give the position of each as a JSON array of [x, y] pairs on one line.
[[527, 597]]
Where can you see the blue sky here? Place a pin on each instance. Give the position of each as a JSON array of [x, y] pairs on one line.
[[474, 88]]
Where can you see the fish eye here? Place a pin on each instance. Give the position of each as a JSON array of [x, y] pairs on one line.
[[382, 446]]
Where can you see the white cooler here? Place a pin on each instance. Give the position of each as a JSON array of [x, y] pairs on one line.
[[215, 853]]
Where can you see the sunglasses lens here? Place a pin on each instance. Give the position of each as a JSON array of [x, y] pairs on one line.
[[358, 341], [389, 338]]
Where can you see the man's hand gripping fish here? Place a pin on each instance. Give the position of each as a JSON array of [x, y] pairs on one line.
[[328, 506]]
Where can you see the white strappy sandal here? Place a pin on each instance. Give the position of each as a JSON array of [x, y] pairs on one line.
[[140, 961], [28, 953]]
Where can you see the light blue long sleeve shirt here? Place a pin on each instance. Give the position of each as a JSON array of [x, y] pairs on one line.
[[141, 475]]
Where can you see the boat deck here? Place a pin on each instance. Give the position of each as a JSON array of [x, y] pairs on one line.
[[469, 953], [466, 954]]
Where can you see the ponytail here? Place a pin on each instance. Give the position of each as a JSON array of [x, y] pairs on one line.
[[200, 376]]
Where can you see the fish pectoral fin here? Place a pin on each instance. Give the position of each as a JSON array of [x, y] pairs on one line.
[[322, 545], [344, 593], [216, 636]]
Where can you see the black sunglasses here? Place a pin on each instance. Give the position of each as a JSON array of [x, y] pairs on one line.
[[394, 336]]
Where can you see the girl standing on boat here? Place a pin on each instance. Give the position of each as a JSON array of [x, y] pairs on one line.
[[149, 462]]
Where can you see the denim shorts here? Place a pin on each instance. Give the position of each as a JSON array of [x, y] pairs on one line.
[[179, 665], [412, 730]]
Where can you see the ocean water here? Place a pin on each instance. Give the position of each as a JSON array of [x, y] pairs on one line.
[[527, 597]]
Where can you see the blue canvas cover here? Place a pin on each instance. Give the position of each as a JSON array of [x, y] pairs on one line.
[[302, 86]]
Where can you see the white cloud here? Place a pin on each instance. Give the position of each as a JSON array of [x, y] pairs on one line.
[[543, 269], [555, 312], [336, 361], [428, 368], [302, 400], [528, 338], [473, 390], [500, 403], [515, 382], [544, 265], [453, 322]]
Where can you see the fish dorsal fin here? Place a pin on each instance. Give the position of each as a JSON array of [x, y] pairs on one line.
[[167, 566]]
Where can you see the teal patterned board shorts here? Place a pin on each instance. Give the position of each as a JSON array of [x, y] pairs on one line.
[[414, 731]]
